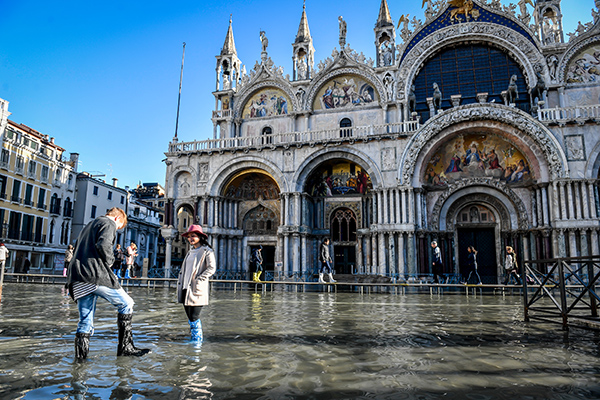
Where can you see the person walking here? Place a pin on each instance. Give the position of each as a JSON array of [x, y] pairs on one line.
[[437, 263], [119, 256], [90, 277], [68, 258], [3, 256], [472, 265], [131, 255], [326, 261], [257, 260], [511, 268], [192, 285]]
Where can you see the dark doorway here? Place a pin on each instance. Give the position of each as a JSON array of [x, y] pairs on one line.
[[484, 241], [344, 259], [268, 255]]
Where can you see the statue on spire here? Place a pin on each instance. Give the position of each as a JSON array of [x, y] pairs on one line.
[[264, 41], [342, 32]]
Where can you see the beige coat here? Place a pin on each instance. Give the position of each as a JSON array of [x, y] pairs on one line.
[[204, 267]]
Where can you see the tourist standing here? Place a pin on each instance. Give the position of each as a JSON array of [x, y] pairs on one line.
[[90, 276], [192, 285], [3, 255], [326, 261], [68, 258], [472, 265], [131, 255], [511, 268], [257, 260], [118, 253], [437, 263]]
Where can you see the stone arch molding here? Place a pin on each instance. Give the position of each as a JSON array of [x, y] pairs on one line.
[[176, 174], [555, 157], [221, 176], [568, 56], [517, 45], [497, 193], [179, 203], [314, 88], [346, 153], [250, 90]]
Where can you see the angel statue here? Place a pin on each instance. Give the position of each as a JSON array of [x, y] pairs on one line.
[[342, 32], [264, 41]]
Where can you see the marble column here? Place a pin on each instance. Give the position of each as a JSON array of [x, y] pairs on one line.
[[374, 250], [382, 259]]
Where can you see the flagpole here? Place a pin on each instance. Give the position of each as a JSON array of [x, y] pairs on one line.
[[179, 97]]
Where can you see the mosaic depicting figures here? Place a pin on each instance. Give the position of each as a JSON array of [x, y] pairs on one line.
[[338, 178], [252, 186], [344, 91], [476, 155], [267, 103], [585, 67]]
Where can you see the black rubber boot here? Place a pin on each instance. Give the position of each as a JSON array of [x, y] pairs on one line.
[[82, 345], [126, 347]]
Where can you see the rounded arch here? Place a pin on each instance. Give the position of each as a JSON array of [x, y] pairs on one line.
[[251, 90], [175, 175], [512, 212], [324, 79], [346, 153], [519, 47], [185, 208], [223, 175], [542, 143], [592, 167], [574, 51]]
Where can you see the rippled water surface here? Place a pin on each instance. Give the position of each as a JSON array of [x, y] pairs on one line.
[[286, 345]]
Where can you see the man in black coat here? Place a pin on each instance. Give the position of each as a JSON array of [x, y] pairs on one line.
[[90, 276]]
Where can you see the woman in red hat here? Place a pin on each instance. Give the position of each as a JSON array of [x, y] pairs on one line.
[[192, 286]]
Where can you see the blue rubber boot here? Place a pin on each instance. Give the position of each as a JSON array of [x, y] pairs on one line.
[[127, 274], [196, 329]]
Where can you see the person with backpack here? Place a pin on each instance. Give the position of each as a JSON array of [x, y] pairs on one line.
[[511, 268]]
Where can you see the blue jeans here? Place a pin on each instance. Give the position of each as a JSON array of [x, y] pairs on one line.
[[326, 267], [87, 306]]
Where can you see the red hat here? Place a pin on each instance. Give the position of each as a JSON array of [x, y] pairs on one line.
[[195, 229]]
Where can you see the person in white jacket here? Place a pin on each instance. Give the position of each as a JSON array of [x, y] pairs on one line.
[[192, 286]]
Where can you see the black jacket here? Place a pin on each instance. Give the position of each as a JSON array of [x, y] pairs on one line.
[[93, 255]]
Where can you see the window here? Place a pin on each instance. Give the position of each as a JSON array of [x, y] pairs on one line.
[[267, 132], [32, 169], [14, 225], [28, 194], [45, 174], [70, 180], [54, 204], [27, 231], [345, 127], [16, 191], [95, 191], [122, 199], [39, 227], [109, 195], [20, 166], [68, 211], [57, 176], [3, 181], [343, 226], [41, 203], [4, 159], [93, 214], [34, 145]]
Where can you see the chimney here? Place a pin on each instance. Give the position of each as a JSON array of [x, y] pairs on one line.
[[52, 140], [115, 180]]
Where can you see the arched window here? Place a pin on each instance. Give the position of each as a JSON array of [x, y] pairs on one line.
[[345, 127], [267, 132], [343, 225]]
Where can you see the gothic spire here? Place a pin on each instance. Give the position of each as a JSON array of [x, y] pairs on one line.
[[303, 30], [229, 45], [385, 19]]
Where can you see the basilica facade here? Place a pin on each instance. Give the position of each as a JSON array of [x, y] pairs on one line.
[[475, 126]]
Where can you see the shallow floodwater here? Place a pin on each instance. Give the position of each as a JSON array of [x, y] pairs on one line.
[[288, 345]]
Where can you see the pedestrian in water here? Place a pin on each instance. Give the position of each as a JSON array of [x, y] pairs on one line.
[[472, 265], [192, 286], [119, 256], [3, 255], [437, 264], [511, 268], [90, 277], [257, 260], [68, 258], [326, 261], [130, 259]]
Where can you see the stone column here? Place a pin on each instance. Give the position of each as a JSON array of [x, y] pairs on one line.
[[359, 254], [572, 243], [404, 216], [585, 251], [168, 233], [577, 200], [592, 201], [381, 257], [545, 205], [285, 253], [296, 253], [561, 97], [385, 193], [536, 207], [392, 253], [368, 255], [379, 207], [584, 200], [570, 201], [283, 209], [411, 206], [398, 213], [297, 209], [401, 262], [411, 261], [374, 249]]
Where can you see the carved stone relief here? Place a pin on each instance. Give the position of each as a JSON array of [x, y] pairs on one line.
[[388, 158], [575, 148]]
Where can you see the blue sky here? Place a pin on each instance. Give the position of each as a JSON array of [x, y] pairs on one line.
[[103, 77]]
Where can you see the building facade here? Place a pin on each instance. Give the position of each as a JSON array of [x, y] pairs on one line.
[[475, 126], [37, 192]]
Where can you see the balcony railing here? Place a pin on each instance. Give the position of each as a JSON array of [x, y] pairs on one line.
[[293, 138], [570, 114], [221, 114]]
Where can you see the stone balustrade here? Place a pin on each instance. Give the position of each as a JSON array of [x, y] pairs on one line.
[[295, 138], [564, 115]]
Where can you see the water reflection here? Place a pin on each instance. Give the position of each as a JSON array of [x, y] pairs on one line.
[[296, 345]]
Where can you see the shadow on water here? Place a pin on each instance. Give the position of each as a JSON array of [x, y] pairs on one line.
[[295, 346]]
